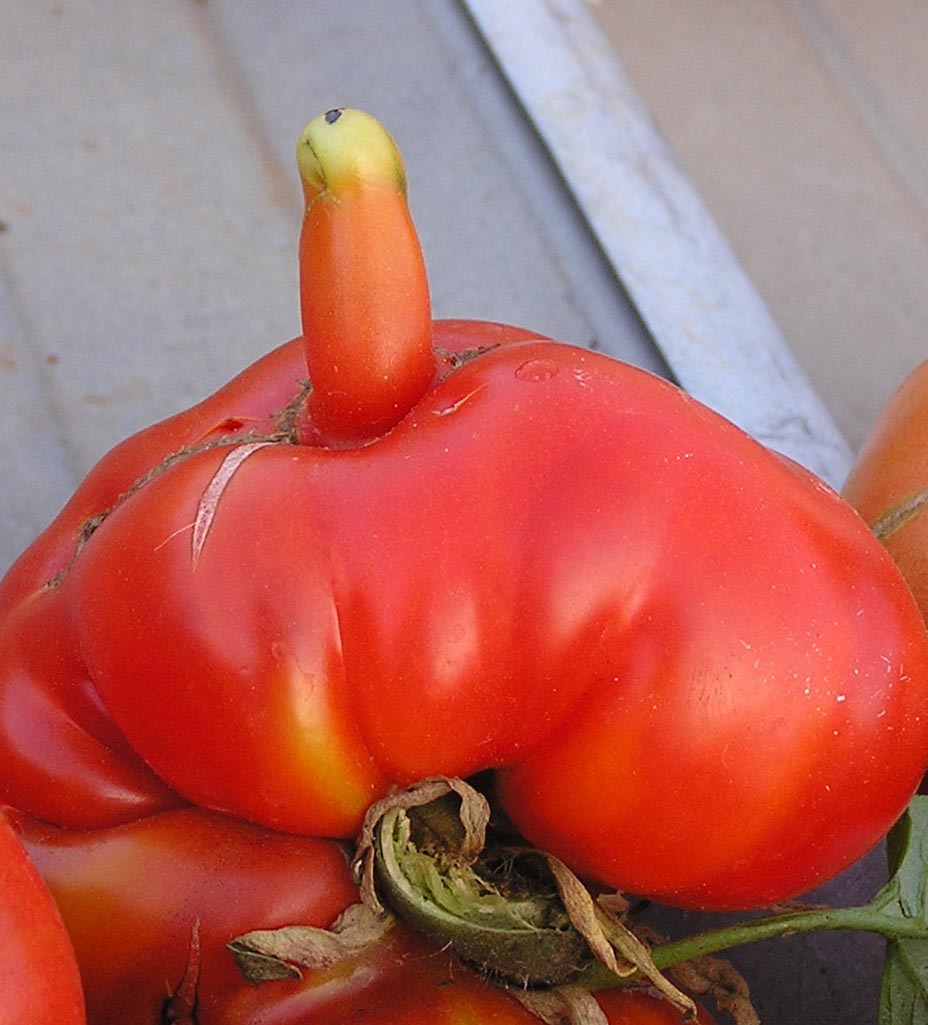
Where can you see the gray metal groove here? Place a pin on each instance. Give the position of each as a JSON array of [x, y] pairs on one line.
[[703, 312]]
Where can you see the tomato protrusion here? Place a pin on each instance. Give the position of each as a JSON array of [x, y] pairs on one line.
[[363, 287]]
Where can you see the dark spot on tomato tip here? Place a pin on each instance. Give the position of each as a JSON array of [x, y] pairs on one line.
[[331, 116]]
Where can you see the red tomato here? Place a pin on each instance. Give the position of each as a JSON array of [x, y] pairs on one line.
[[625, 1008], [697, 674], [652, 626], [298, 664], [39, 981], [145, 900]]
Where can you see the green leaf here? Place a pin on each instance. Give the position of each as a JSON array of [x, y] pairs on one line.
[[904, 994]]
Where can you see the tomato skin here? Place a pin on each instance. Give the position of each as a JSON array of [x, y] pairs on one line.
[[705, 640], [39, 980], [56, 728], [628, 1008], [134, 895]]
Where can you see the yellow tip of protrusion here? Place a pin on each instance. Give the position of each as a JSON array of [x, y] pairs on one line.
[[343, 148]]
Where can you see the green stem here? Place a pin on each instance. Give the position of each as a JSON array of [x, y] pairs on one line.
[[674, 952]]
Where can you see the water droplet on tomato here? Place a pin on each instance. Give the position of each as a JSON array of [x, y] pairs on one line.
[[540, 369]]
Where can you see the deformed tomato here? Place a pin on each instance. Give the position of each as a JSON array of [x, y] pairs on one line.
[[462, 547]]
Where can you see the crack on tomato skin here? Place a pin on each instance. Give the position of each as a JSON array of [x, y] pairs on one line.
[[453, 359], [287, 433], [180, 1008], [209, 501], [899, 515], [454, 406]]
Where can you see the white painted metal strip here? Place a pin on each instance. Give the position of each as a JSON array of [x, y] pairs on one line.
[[704, 313]]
